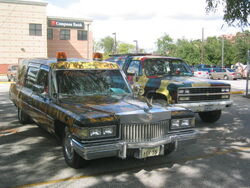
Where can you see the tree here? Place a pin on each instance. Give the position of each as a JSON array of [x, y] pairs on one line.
[[165, 45], [242, 44], [236, 12], [124, 48], [106, 44]]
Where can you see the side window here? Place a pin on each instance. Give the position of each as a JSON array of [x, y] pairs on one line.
[[31, 77], [42, 84], [134, 68]]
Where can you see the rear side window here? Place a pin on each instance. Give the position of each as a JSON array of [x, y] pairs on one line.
[[42, 83], [31, 77]]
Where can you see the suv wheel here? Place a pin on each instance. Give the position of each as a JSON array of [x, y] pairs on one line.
[[211, 116], [71, 157], [23, 117]]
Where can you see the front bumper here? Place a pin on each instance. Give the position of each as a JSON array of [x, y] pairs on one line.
[[120, 148], [205, 106]]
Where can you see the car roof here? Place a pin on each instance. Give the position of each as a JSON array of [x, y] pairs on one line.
[[154, 57], [71, 63]]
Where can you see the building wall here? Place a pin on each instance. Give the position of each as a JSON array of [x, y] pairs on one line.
[[74, 48], [15, 41]]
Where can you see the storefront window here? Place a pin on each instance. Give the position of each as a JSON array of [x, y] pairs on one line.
[[35, 29], [82, 35], [64, 34]]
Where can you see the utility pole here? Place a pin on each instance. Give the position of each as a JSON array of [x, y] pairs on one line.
[[248, 70], [222, 52], [88, 41], [114, 50], [202, 47], [136, 46]]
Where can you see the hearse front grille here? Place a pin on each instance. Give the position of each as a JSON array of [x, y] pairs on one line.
[[144, 132]]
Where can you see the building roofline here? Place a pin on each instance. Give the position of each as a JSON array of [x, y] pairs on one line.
[[39, 3], [68, 18]]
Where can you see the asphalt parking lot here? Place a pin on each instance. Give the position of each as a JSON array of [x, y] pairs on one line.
[[30, 157]]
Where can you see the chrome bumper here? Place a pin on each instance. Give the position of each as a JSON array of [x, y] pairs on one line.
[[205, 106], [120, 148]]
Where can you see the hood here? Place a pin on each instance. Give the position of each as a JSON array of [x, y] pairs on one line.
[[96, 109], [184, 81]]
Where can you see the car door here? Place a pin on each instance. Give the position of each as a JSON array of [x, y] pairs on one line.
[[26, 90], [42, 99]]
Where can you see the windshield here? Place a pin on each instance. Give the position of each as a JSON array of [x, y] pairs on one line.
[[171, 67], [90, 82]]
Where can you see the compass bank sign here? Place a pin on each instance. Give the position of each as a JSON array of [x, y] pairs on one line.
[[66, 24]]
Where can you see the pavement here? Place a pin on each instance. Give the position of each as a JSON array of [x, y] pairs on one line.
[[30, 157]]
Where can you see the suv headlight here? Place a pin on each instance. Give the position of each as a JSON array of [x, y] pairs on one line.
[[182, 123], [94, 132]]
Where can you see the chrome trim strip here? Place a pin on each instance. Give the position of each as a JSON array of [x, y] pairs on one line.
[[119, 148], [202, 94]]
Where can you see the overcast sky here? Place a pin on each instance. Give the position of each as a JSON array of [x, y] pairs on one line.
[[144, 20]]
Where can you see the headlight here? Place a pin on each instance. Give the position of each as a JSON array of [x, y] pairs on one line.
[[95, 132], [183, 91], [225, 90], [182, 123]]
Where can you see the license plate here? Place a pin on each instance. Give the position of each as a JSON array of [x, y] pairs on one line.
[[150, 152]]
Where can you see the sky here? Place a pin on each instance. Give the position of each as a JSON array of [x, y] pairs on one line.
[[144, 20]]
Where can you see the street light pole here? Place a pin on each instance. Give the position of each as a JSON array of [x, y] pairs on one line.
[[136, 45], [222, 52], [114, 50], [88, 41]]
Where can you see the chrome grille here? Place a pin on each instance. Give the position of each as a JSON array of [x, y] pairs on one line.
[[144, 132], [202, 94]]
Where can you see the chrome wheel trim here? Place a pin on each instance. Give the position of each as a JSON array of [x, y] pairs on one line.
[[68, 146]]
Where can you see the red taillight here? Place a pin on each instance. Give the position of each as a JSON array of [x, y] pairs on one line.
[[232, 74], [206, 72], [199, 72]]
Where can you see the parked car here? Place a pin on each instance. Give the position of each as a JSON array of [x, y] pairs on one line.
[[224, 73], [11, 73], [169, 81], [91, 107], [202, 73]]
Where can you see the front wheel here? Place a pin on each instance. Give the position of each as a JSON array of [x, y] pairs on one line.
[[211, 116], [71, 157]]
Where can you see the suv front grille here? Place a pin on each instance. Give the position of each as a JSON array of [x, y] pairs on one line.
[[203, 94], [144, 132]]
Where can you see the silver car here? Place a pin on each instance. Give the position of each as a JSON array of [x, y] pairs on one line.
[[224, 73]]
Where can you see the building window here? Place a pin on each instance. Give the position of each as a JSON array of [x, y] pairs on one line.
[[82, 35], [64, 34], [49, 33], [35, 29]]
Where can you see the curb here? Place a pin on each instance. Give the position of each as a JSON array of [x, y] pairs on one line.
[[237, 92]]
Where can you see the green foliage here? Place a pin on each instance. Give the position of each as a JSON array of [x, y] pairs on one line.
[[124, 48], [106, 44], [235, 49], [165, 45], [236, 12]]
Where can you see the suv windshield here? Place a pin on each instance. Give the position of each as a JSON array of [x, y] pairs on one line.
[[170, 67], [90, 82]]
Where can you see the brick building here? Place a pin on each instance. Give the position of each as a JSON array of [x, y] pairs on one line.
[[27, 32]]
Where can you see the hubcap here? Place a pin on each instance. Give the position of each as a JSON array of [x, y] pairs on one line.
[[68, 146]]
